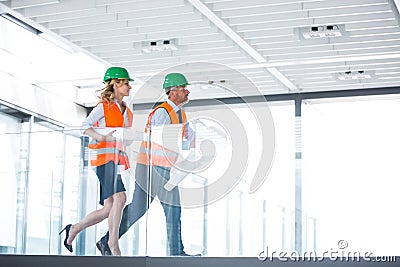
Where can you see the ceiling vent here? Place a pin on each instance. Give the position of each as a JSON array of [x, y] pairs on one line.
[[354, 75], [327, 31], [159, 45]]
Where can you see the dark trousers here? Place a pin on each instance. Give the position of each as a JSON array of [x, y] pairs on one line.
[[170, 201]]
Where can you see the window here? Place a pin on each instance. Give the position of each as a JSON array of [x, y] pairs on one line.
[[350, 173]]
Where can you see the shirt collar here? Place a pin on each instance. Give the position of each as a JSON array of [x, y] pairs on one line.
[[174, 107], [123, 103]]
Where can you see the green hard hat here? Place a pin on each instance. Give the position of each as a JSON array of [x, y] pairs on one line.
[[116, 73], [174, 79]]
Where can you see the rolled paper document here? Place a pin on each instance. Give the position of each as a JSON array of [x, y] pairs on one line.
[[175, 177], [181, 169], [127, 134], [75, 131], [168, 136]]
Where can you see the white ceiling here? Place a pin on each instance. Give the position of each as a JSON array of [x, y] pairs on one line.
[[259, 38]]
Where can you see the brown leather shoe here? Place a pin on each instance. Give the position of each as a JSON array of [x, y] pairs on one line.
[[104, 248]]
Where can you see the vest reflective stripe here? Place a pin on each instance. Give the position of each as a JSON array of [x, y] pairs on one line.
[[157, 150], [159, 155], [110, 150], [99, 156], [103, 152]]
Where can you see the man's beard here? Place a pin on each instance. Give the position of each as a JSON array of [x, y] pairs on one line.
[[185, 101]]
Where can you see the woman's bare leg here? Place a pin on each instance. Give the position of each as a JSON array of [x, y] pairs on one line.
[[114, 220], [91, 219]]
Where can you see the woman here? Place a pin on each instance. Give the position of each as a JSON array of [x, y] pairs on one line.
[[107, 156]]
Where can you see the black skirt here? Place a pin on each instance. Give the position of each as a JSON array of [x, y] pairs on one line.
[[110, 180]]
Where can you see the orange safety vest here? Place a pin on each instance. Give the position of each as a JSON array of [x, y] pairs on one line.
[[104, 152], [159, 155]]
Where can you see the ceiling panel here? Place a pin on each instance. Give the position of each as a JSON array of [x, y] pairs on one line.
[[262, 40]]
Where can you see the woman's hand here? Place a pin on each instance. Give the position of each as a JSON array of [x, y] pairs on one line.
[[109, 137]]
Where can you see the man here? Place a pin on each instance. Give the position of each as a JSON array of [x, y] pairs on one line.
[[153, 170]]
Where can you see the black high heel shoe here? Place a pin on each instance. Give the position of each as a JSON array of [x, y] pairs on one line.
[[67, 228]]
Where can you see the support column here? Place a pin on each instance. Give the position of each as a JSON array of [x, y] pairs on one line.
[[83, 181], [23, 186], [298, 179]]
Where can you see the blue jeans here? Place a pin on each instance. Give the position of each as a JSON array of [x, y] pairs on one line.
[[170, 201]]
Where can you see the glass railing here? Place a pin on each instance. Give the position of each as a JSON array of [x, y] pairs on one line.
[[48, 183], [342, 187]]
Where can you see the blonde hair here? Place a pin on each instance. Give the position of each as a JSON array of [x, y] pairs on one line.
[[107, 92]]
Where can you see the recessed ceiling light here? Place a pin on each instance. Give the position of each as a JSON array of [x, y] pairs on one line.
[[159, 45], [325, 31], [354, 75]]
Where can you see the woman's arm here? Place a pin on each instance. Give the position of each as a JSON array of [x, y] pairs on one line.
[[99, 137]]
